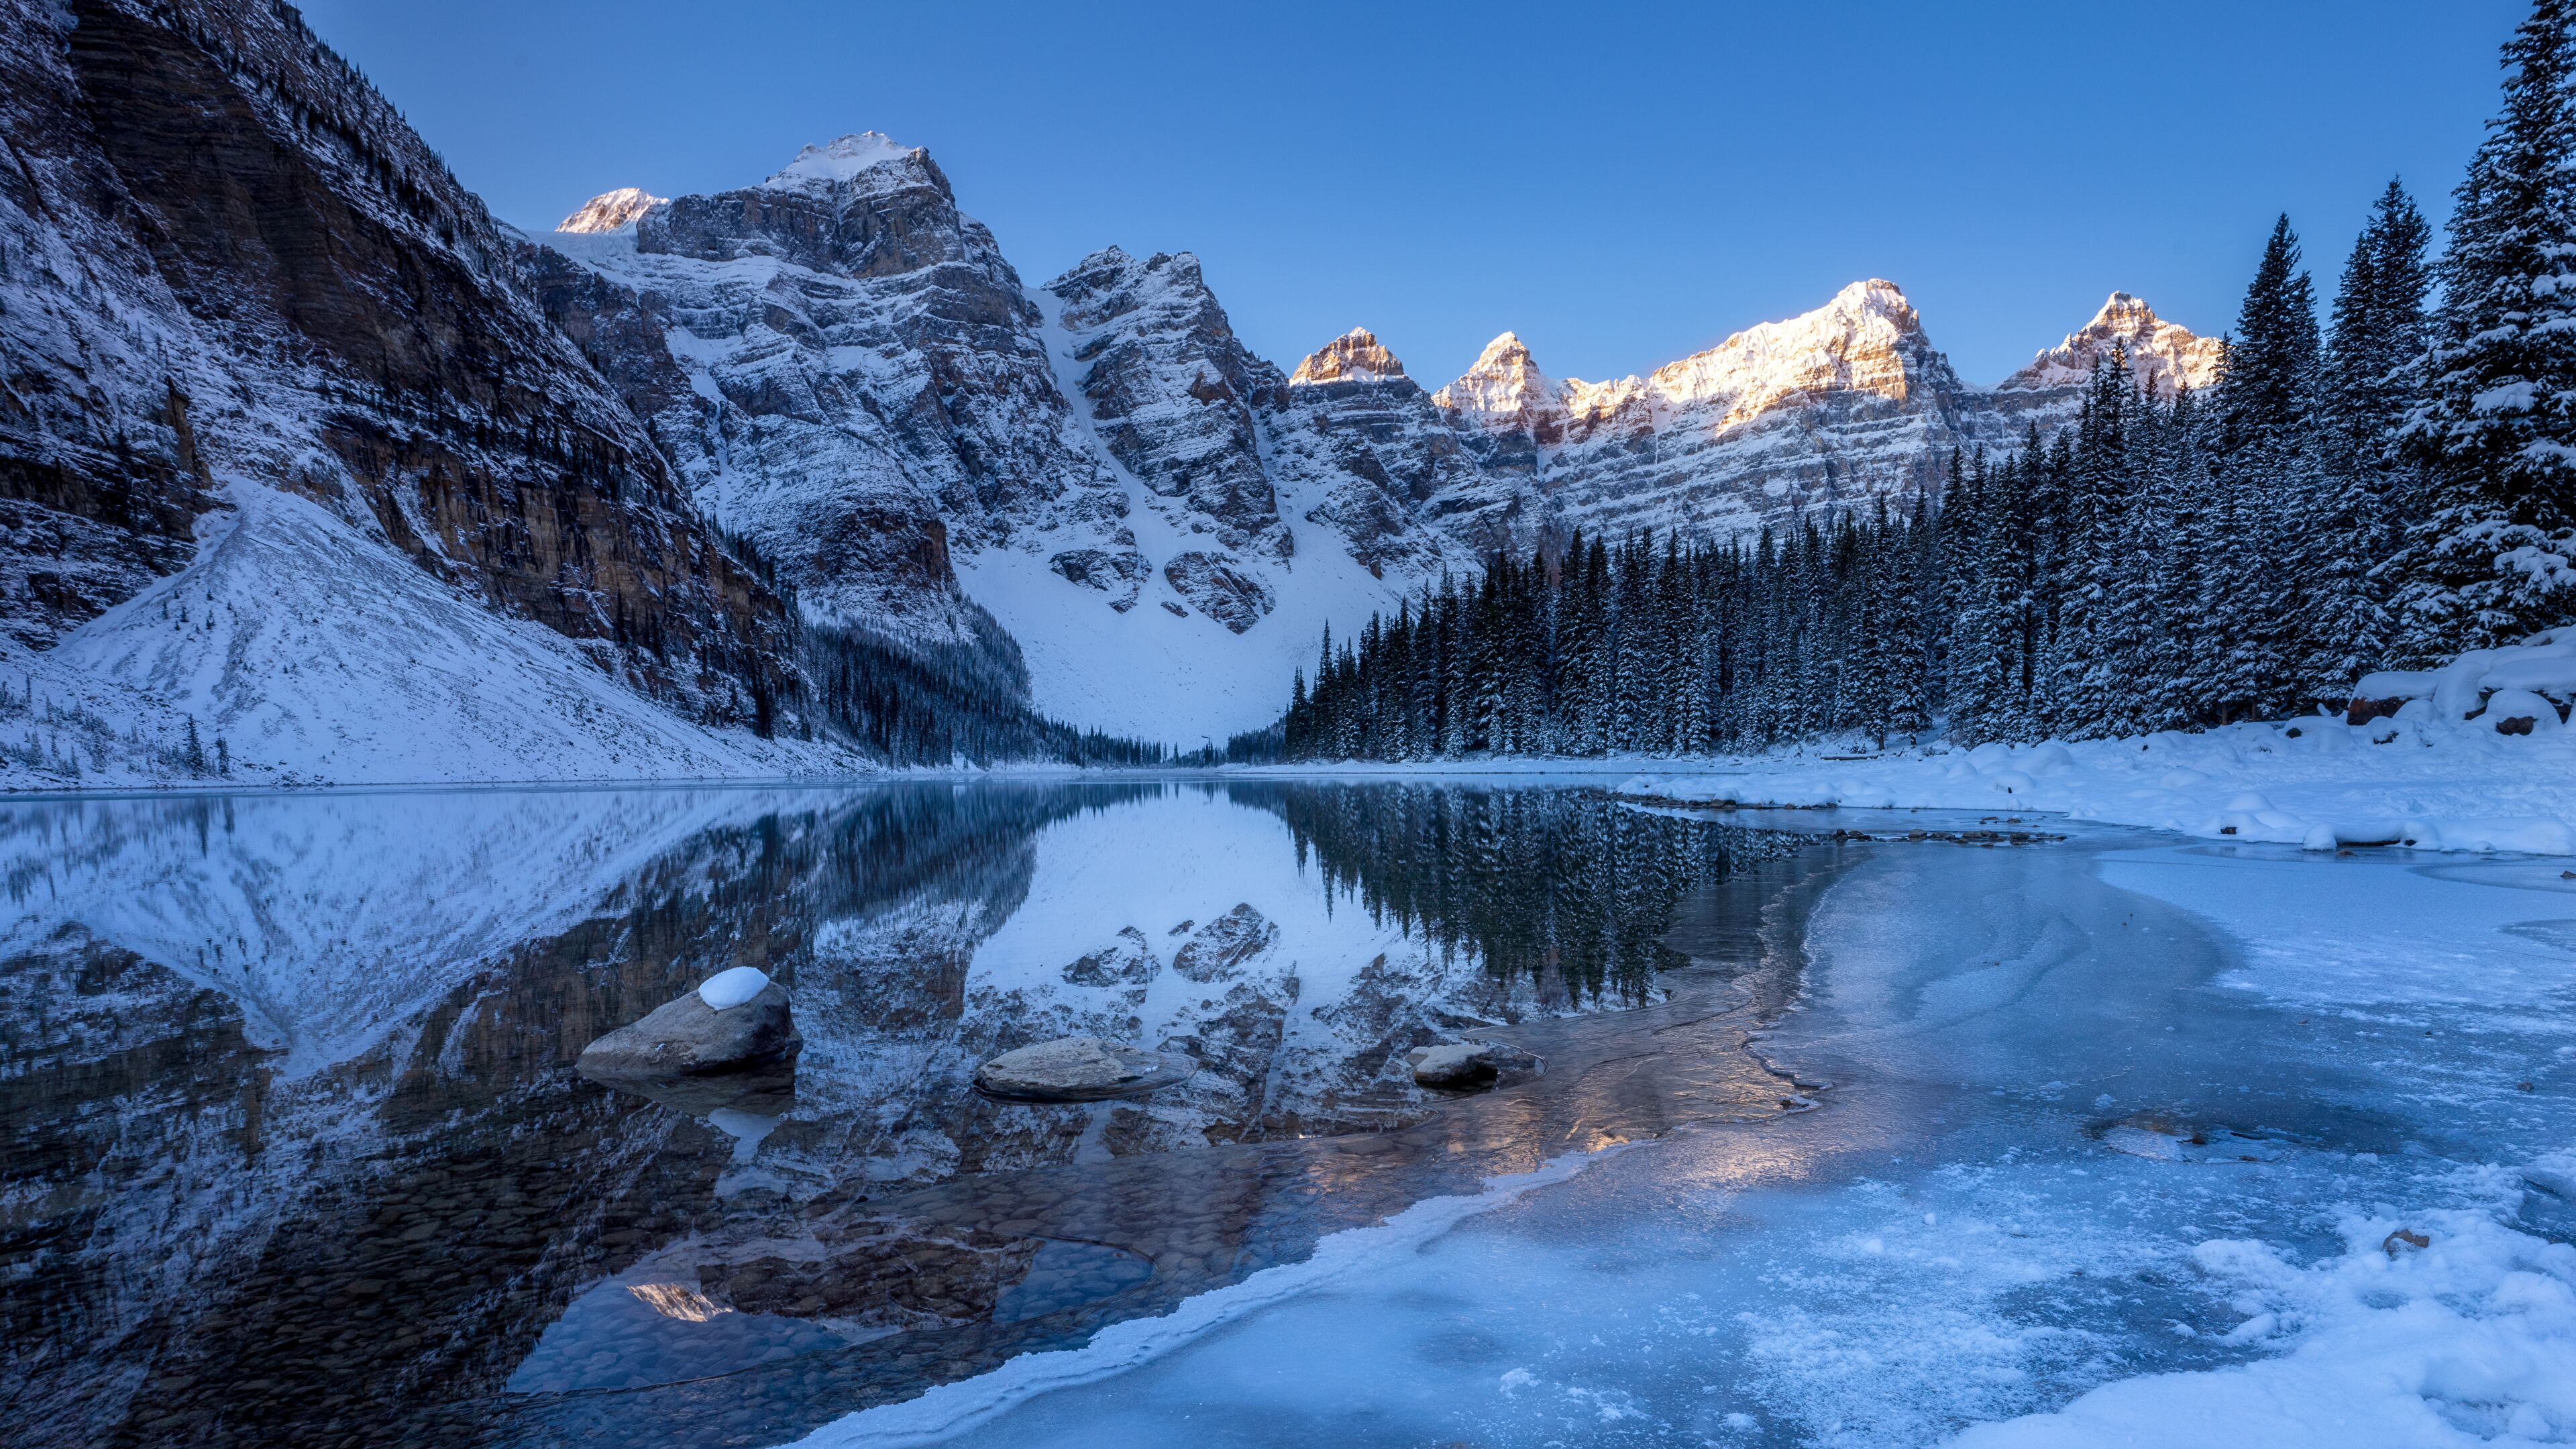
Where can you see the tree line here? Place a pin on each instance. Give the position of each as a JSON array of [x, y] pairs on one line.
[[2381, 491]]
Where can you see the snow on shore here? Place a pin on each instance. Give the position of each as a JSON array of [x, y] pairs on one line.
[[2471, 756], [2318, 783]]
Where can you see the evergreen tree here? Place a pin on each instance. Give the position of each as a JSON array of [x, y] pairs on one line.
[[2493, 559]]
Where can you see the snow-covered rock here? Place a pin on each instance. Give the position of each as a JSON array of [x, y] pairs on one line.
[[688, 1036]]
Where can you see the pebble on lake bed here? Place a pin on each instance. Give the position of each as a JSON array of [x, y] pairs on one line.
[[1079, 1069]]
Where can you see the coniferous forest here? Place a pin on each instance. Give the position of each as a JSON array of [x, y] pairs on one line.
[[2381, 490]]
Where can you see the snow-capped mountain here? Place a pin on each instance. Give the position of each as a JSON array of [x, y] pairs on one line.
[[850, 374], [1848, 403], [611, 210], [300, 442]]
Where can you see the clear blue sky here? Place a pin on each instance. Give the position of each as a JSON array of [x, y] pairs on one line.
[[1621, 186]]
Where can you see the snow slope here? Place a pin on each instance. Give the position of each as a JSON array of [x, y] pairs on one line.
[[318, 654]]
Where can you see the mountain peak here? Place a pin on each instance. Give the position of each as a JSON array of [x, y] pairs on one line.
[[2161, 354], [1870, 297], [610, 210], [1505, 390], [841, 159], [1355, 356]]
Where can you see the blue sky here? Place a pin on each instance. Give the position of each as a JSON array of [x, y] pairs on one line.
[[1621, 186]]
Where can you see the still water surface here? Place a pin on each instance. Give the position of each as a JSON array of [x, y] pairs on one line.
[[295, 1153]]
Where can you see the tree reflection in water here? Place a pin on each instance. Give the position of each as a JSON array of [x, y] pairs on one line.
[[1566, 889]]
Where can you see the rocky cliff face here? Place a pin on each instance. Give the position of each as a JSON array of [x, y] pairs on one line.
[[846, 371], [233, 274], [1170, 395], [1375, 464]]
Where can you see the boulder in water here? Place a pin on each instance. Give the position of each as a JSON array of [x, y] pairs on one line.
[[1471, 1066], [1079, 1069], [688, 1038]]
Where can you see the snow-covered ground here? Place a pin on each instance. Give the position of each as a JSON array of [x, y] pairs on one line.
[[2131, 1143], [2437, 775], [2314, 782]]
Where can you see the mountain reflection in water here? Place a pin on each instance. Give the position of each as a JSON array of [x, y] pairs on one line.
[[296, 1154]]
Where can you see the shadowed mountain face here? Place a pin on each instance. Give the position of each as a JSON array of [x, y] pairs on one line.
[[297, 1155], [234, 267]]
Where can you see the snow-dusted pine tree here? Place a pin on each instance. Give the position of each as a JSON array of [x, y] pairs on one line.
[[2497, 556], [2374, 374]]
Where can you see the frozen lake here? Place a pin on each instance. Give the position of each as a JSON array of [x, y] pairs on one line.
[[2098, 1139]]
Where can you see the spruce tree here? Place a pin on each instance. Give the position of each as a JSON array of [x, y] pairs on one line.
[[2494, 559]]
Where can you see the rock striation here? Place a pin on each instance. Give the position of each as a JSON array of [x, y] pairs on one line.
[[1824, 412]]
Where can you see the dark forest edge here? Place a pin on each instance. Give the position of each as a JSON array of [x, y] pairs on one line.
[[2381, 495]]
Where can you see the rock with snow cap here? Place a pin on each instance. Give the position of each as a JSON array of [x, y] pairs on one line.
[[1470, 1066], [690, 1037]]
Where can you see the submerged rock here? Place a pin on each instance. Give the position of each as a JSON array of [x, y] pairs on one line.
[[1079, 1069], [687, 1038], [1471, 1066]]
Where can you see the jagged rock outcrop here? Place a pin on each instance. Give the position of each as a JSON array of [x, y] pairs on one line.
[[866, 387], [244, 302], [1170, 395], [1367, 454], [1355, 356]]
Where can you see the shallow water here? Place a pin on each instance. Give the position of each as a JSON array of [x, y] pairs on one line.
[[2102, 1111], [295, 1153]]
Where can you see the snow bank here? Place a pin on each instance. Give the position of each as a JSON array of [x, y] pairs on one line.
[[2415, 779], [2544, 664], [2469, 1339]]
